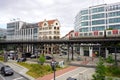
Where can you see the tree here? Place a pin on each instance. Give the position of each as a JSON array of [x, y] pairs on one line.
[[42, 59], [110, 59], [100, 70]]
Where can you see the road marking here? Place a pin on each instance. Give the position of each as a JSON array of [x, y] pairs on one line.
[[2, 77], [80, 73], [18, 78]]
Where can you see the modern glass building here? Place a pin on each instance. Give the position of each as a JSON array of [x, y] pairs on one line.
[[97, 18]]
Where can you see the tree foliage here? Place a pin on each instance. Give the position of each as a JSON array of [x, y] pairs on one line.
[[100, 70], [42, 59]]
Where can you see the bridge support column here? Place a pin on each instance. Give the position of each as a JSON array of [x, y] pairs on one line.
[[81, 51], [90, 51], [106, 53]]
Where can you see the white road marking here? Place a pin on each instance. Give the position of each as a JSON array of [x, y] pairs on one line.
[[80, 73], [18, 78]]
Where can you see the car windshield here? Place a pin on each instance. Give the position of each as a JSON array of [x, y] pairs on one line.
[[7, 68]]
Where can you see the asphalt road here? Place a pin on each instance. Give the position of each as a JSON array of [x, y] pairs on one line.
[[16, 76]]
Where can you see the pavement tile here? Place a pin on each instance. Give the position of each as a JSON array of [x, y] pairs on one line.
[[58, 73]]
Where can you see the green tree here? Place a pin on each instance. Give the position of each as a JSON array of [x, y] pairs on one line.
[[110, 59], [42, 59], [100, 70]]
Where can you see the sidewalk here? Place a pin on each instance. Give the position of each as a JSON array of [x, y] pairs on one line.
[[58, 73], [19, 69]]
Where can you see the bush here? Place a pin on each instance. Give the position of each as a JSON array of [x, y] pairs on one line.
[[110, 59], [1, 58], [42, 59], [36, 70]]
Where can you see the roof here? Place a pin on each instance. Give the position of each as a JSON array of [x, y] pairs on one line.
[[49, 22]]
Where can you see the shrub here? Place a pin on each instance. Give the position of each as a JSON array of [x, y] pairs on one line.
[[42, 59]]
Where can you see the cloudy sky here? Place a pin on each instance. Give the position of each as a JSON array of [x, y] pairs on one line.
[[37, 10]]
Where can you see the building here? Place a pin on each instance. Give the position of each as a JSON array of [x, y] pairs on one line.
[[2, 34], [67, 36], [20, 30], [49, 29], [98, 18]]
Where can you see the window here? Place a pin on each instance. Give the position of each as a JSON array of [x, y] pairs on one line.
[[97, 22], [45, 24], [111, 14], [98, 28], [101, 33], [56, 23], [57, 28], [54, 27], [84, 30], [96, 16], [114, 7], [100, 9], [84, 12], [84, 18], [114, 26], [114, 20], [109, 32], [84, 23]]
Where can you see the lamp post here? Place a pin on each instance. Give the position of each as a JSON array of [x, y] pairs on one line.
[[53, 65]]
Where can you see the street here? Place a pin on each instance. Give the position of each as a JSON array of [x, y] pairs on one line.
[[16, 76]]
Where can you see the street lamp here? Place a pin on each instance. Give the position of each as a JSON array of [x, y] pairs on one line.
[[53, 65]]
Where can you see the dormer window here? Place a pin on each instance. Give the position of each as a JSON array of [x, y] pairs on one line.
[[56, 23]]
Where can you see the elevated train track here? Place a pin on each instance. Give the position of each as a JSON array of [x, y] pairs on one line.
[[73, 41]]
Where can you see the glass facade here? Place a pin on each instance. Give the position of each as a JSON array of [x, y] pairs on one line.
[[83, 29], [84, 23], [97, 16], [98, 22], [83, 12], [114, 20], [98, 28], [84, 17], [112, 14], [114, 26], [100, 9]]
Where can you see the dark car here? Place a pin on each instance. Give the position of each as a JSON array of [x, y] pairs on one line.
[[23, 59], [48, 57], [6, 70], [69, 78], [34, 56]]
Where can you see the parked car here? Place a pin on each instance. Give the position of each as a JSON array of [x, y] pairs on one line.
[[23, 59], [48, 57], [6, 70], [69, 78], [34, 56]]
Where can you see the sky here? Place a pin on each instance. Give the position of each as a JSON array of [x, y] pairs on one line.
[[32, 11]]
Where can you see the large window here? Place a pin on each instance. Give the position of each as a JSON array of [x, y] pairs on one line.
[[113, 7], [111, 14], [84, 18], [114, 26], [98, 28], [84, 23], [96, 16], [97, 22], [84, 12], [100, 9], [114, 20], [84, 30]]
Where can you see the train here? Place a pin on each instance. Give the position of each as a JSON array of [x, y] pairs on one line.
[[95, 34]]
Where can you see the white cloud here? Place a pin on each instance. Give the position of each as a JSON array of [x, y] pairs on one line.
[[38, 10]]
